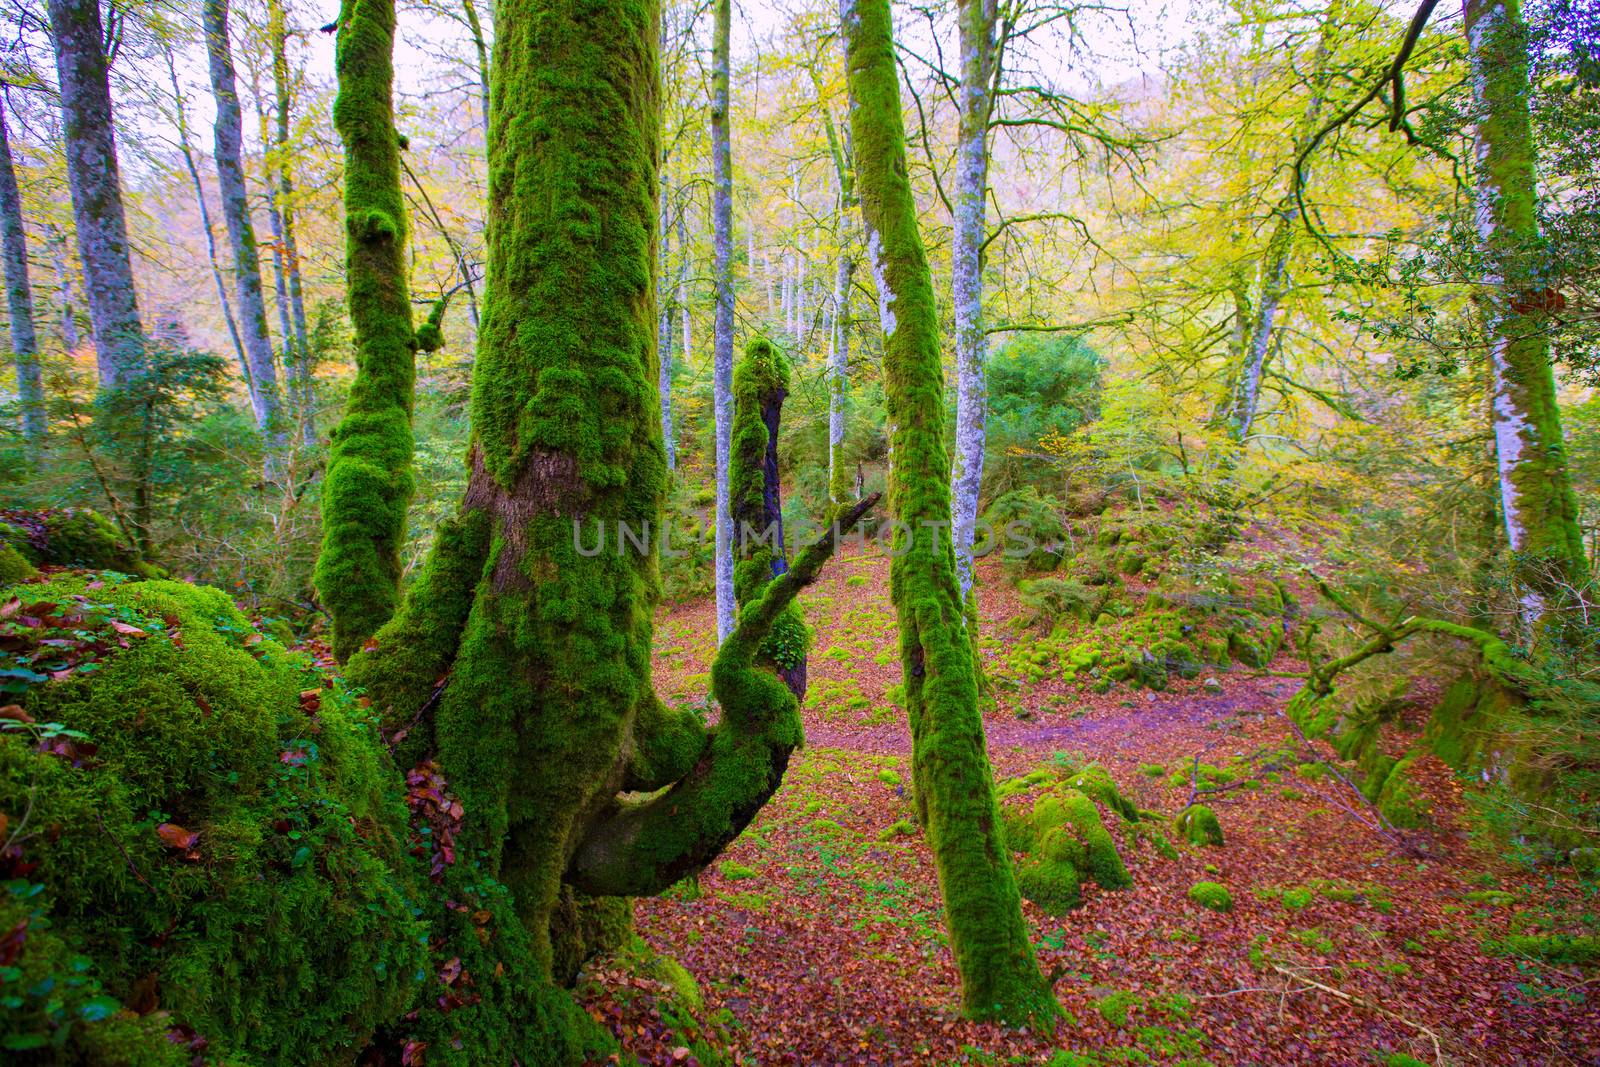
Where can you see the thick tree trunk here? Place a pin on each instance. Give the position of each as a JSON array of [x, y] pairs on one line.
[[369, 482], [229, 136], [977, 28], [520, 662], [19, 299], [950, 767], [1537, 502], [722, 282], [96, 187]]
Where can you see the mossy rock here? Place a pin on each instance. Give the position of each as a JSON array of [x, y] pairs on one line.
[[1213, 895], [1062, 835], [1198, 825], [220, 820], [71, 537]]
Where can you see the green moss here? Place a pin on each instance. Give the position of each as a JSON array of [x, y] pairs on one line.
[[369, 482], [736, 871], [1298, 899], [1211, 895], [899, 828], [1198, 825], [287, 921], [953, 783], [1581, 950], [1115, 1007], [14, 566]]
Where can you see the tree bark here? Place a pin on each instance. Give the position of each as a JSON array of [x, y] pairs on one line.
[[481, 47], [229, 136], [69, 313], [839, 485], [369, 481], [19, 300], [181, 122], [1537, 501], [96, 188], [664, 316], [297, 341], [722, 281], [976, 20], [950, 767]]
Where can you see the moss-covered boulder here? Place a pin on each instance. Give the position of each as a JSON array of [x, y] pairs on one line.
[[200, 825], [1057, 821], [67, 537], [1198, 825], [1212, 895]]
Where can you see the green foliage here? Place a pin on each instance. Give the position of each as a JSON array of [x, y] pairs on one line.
[[1211, 895], [1027, 531], [1039, 385]]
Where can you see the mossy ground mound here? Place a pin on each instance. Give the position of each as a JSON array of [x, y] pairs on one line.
[[1056, 821], [64, 537], [198, 825], [208, 847]]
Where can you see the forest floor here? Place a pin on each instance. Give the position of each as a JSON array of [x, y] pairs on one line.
[[819, 937]]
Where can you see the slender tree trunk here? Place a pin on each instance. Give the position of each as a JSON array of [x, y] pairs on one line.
[[1244, 394], [664, 323], [229, 137], [369, 482], [96, 187], [181, 121], [839, 474], [722, 280], [1536, 497], [685, 268], [481, 47], [978, 46], [297, 356], [69, 312], [950, 767], [19, 299]]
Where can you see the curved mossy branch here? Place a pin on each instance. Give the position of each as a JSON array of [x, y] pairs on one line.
[[1000, 975], [642, 849], [369, 480], [1496, 655], [760, 383]]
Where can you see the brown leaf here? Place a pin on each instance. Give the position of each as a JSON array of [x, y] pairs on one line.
[[15, 713], [128, 628], [174, 836]]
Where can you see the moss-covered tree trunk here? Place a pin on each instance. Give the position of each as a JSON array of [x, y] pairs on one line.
[[265, 398], [722, 281], [19, 298], [950, 764], [519, 664], [839, 481], [1537, 501], [369, 479], [760, 384], [93, 177]]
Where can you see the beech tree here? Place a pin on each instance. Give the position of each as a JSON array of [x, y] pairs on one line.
[[722, 284], [228, 133], [1537, 502], [1000, 977], [96, 186], [19, 297], [519, 663]]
